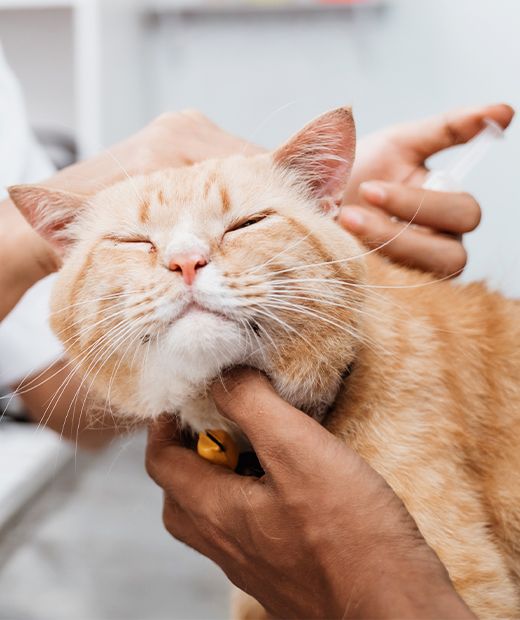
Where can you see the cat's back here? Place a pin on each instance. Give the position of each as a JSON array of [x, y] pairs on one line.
[[441, 365], [433, 404], [440, 354], [470, 332]]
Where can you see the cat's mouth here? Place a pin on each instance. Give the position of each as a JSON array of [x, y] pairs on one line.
[[194, 307]]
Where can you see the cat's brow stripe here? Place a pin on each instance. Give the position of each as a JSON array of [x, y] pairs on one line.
[[144, 211], [210, 181], [225, 199], [160, 197]]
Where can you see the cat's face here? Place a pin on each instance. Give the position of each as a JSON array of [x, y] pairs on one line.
[[170, 278]]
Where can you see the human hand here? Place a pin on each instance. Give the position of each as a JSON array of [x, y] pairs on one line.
[[173, 139], [320, 535], [386, 184]]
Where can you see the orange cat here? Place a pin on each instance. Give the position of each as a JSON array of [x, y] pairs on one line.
[[170, 278]]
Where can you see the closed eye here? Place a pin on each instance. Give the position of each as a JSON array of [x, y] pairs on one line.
[[132, 240], [253, 219]]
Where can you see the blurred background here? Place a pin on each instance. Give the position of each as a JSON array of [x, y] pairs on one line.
[[88, 541]]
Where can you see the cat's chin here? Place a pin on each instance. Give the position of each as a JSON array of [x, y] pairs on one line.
[[197, 348], [181, 365]]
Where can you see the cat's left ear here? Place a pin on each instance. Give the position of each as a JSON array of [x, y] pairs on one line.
[[321, 155], [51, 212]]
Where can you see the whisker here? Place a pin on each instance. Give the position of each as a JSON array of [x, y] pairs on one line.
[[102, 358], [125, 171], [131, 339], [251, 333], [314, 314], [270, 260], [29, 386], [327, 302], [98, 344], [376, 286], [327, 298], [363, 254], [266, 120], [95, 300], [72, 340], [311, 313], [288, 328]]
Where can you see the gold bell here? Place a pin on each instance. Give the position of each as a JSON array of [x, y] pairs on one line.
[[218, 447]]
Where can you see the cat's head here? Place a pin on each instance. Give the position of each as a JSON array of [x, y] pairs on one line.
[[170, 278]]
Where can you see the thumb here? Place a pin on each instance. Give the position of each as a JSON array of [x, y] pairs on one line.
[[427, 137], [274, 428]]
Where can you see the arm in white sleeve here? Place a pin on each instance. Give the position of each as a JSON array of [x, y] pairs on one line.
[[27, 343]]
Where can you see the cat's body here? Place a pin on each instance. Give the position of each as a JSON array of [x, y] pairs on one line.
[[435, 408], [421, 378]]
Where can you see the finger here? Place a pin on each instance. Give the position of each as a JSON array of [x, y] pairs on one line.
[[454, 212], [278, 432], [218, 542], [440, 132], [183, 527], [192, 482], [435, 253], [198, 533], [163, 432], [201, 500]]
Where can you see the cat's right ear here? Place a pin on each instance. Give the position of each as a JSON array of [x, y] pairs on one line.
[[51, 212], [321, 155]]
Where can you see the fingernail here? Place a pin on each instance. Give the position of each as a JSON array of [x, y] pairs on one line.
[[352, 218], [373, 192]]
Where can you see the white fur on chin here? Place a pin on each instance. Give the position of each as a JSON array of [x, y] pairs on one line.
[[181, 366]]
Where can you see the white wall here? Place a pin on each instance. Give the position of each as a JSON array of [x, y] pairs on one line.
[[80, 65], [38, 45], [415, 58]]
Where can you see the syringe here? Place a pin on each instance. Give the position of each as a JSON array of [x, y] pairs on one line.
[[450, 179]]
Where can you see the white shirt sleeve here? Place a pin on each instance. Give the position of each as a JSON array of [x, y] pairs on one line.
[[27, 344]]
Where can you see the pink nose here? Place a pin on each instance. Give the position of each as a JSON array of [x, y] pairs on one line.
[[187, 263]]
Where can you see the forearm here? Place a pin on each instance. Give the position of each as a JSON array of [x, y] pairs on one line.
[[55, 398], [410, 592], [25, 257]]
